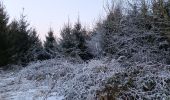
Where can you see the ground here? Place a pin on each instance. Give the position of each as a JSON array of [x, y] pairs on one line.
[[57, 79]]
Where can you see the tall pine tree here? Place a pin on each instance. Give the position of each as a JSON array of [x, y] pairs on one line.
[[4, 56], [73, 41], [111, 26], [67, 41], [50, 44], [79, 35], [19, 32], [35, 47]]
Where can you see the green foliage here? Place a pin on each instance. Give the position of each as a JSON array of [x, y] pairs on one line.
[[73, 41], [18, 43], [35, 47], [67, 42], [50, 44], [4, 57]]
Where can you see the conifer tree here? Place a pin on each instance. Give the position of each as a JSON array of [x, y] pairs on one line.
[[67, 41], [4, 56], [145, 18], [161, 20], [111, 26], [50, 44], [73, 41], [79, 35], [35, 49], [13, 37], [20, 43]]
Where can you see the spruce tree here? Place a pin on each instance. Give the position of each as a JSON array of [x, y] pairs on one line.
[[111, 26], [13, 37], [145, 18], [50, 44], [67, 42], [73, 42], [160, 9], [79, 35], [4, 56], [19, 34], [35, 49]]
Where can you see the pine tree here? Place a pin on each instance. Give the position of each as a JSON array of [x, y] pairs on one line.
[[110, 27], [79, 35], [161, 17], [35, 49], [73, 41], [145, 17], [113, 20], [19, 34], [67, 41], [133, 15], [4, 56], [50, 44], [167, 9], [13, 37]]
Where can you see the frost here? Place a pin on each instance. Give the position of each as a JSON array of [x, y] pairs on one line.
[[141, 81], [57, 79]]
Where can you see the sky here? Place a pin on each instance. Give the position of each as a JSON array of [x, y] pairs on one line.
[[43, 14]]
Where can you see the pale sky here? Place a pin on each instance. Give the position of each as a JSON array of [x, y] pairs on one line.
[[45, 13]]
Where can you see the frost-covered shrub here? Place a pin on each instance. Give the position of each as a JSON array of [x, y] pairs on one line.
[[74, 81], [144, 82]]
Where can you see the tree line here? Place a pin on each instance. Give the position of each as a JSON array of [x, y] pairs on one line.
[[20, 44]]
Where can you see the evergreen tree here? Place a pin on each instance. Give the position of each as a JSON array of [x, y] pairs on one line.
[[4, 56], [145, 16], [35, 49], [133, 15], [111, 26], [160, 9], [139, 15], [13, 37], [73, 41], [79, 36], [67, 41], [50, 44], [19, 34]]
